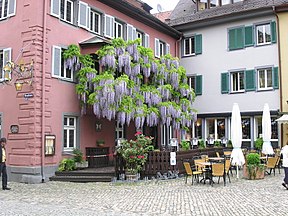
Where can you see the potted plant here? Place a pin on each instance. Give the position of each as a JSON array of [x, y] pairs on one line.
[[80, 163], [201, 144], [185, 145], [258, 143], [67, 164], [217, 143], [253, 169], [135, 153], [100, 142]]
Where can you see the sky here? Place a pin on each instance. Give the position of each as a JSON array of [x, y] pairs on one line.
[[166, 5]]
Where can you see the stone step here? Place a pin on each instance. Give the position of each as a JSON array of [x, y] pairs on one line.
[[81, 178], [84, 173]]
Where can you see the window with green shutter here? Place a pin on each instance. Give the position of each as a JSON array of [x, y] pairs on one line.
[[250, 84], [236, 38], [273, 32], [198, 44], [225, 83], [192, 45], [249, 36]]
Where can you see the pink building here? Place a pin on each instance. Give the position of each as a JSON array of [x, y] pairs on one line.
[[46, 110]]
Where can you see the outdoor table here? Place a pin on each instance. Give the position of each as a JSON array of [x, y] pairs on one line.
[[207, 172], [216, 158]]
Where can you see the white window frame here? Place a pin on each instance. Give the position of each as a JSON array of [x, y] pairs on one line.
[[190, 81], [69, 128], [6, 57], [215, 125], [65, 18], [238, 81], [109, 20], [60, 65], [117, 26], [263, 28], [266, 87], [161, 48], [10, 10], [119, 129], [94, 13], [139, 35], [191, 45], [83, 15], [166, 134], [146, 40]]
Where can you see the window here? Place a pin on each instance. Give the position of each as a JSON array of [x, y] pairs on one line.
[[7, 8], [236, 38], [66, 10], [195, 82], [95, 22], [198, 128], [237, 81], [161, 48], [5, 56], [146, 40], [214, 3], [192, 45], [69, 133], [246, 128], [59, 69], [109, 26], [215, 128], [263, 33], [118, 29], [131, 32], [166, 135], [139, 35], [119, 130], [265, 78]]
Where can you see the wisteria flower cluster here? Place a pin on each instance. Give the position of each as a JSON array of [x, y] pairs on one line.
[[134, 86], [135, 152]]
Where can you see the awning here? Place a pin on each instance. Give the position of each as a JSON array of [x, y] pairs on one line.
[[283, 119], [95, 40]]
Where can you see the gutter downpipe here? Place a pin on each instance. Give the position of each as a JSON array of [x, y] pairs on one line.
[[43, 90], [280, 71], [177, 46]]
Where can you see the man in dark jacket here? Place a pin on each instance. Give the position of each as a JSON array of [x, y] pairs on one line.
[[3, 157]]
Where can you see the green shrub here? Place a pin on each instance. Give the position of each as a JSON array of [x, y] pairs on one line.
[[253, 164], [258, 143], [202, 144], [185, 145], [217, 143], [253, 159], [78, 155], [67, 164]]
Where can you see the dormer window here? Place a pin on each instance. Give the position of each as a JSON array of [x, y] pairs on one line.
[[206, 4]]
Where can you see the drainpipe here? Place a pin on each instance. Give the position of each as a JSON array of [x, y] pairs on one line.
[[43, 90], [177, 45], [280, 71]]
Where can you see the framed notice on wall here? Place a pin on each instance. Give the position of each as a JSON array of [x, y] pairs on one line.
[[50, 144]]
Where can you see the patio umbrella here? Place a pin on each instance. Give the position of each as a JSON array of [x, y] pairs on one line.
[[236, 138], [266, 131]]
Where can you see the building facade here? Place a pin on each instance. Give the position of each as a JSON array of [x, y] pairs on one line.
[[43, 121], [231, 52]]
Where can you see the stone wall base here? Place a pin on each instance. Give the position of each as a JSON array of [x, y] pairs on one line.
[[30, 175]]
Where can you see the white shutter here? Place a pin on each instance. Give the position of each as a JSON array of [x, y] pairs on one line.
[[56, 61], [6, 58], [55, 8], [167, 48], [82, 15], [146, 40], [134, 34], [157, 48], [129, 32], [109, 26], [11, 8]]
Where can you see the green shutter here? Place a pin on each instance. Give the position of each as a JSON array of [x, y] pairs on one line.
[[232, 36], [273, 32], [198, 87], [250, 84], [275, 78], [240, 38], [249, 36], [198, 44], [224, 83], [236, 38]]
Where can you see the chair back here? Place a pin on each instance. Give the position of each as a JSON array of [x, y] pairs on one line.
[[217, 154], [187, 167], [227, 153], [218, 169], [227, 165], [199, 167], [272, 161]]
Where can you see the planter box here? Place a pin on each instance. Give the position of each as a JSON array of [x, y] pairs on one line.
[[82, 165], [258, 171]]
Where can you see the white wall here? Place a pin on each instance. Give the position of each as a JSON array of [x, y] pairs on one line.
[[216, 58]]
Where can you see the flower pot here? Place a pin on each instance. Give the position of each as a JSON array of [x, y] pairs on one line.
[[254, 173], [132, 177]]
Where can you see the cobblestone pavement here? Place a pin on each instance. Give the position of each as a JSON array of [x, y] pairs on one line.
[[164, 197]]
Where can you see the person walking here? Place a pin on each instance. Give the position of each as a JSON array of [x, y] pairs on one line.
[[284, 153], [3, 170]]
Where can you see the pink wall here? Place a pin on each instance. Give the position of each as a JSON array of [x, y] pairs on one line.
[[24, 148]]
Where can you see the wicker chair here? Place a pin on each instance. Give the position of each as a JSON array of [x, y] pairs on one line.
[[272, 164], [218, 171], [190, 172]]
